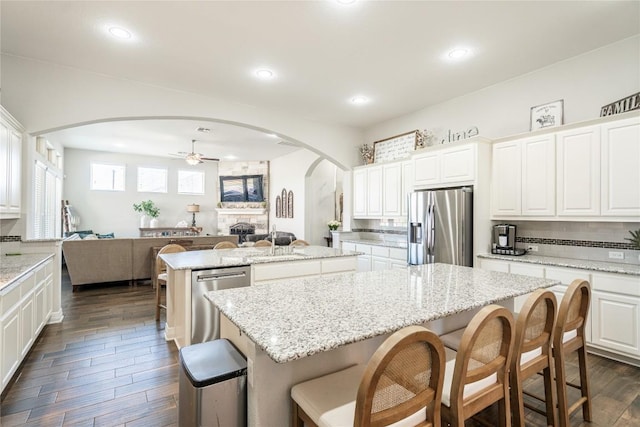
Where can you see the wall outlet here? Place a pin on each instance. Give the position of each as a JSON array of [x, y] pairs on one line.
[[532, 248], [616, 255]]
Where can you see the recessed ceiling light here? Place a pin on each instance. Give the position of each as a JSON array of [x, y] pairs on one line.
[[120, 33], [458, 53], [272, 135], [359, 100], [345, 1], [264, 74], [230, 157]]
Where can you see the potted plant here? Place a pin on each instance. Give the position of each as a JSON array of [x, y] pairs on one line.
[[148, 210], [333, 225]]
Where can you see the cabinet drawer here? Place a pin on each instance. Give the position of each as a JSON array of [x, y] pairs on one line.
[[566, 275], [397, 253], [9, 299], [283, 270], [527, 269], [492, 265], [339, 265], [627, 285], [348, 246], [27, 284], [366, 249], [380, 251]]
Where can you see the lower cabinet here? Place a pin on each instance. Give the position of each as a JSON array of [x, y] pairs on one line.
[[376, 257], [613, 324], [277, 271], [25, 308]]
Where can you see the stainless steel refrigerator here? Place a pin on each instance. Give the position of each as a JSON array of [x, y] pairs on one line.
[[440, 226]]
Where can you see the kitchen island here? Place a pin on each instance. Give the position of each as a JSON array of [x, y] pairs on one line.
[[266, 266], [300, 329]]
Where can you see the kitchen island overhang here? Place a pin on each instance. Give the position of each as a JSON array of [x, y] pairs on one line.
[[300, 329]]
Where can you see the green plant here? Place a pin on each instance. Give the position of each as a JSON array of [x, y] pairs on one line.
[[147, 207], [635, 238]]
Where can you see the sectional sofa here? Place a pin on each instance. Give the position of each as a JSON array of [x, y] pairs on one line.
[[121, 259]]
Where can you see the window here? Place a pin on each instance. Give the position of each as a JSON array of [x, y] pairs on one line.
[[107, 177], [244, 188], [47, 194], [152, 180], [190, 182]]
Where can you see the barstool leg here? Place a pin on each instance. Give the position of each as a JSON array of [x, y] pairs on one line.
[[549, 396], [158, 301], [517, 399], [561, 386], [584, 383]]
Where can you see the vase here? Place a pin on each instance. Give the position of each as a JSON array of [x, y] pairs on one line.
[[144, 221], [154, 223]]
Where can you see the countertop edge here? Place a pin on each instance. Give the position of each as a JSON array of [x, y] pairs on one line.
[[627, 269], [10, 282]]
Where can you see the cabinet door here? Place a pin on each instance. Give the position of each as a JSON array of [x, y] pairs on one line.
[[39, 308], [27, 325], [407, 186], [15, 159], [539, 176], [506, 179], [374, 191], [359, 193], [5, 168], [578, 186], [379, 263], [426, 169], [620, 172], [392, 190], [494, 265], [457, 165], [11, 354], [615, 322], [525, 270], [364, 263]]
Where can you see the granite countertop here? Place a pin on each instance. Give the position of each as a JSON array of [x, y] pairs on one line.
[[605, 267], [297, 318], [14, 266], [216, 258], [374, 242]]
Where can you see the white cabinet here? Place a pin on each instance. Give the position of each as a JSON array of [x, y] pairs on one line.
[[359, 193], [620, 157], [392, 193], [445, 166], [25, 308], [277, 271], [10, 165], [615, 311], [523, 177], [377, 257], [374, 191], [380, 190], [578, 168]]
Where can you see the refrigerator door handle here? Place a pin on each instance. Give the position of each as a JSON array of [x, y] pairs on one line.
[[430, 231]]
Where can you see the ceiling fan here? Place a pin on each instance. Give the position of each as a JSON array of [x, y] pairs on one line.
[[193, 158]]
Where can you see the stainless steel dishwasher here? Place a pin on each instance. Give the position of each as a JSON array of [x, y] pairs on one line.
[[205, 317]]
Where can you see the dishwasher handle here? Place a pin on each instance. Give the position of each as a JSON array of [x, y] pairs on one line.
[[220, 276]]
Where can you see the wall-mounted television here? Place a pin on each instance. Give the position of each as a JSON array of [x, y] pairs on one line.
[[241, 188]]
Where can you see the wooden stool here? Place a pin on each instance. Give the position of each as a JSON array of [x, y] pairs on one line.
[[160, 275]]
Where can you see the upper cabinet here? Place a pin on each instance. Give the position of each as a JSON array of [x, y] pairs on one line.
[[381, 190], [574, 174], [10, 165], [445, 166], [620, 185]]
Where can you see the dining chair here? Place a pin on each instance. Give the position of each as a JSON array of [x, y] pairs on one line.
[[569, 337], [262, 243], [402, 382], [532, 354], [225, 245], [299, 242], [477, 375], [160, 275]]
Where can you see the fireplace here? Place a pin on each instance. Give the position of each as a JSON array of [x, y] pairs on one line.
[[241, 229]]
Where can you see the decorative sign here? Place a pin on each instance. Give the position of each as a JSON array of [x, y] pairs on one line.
[[457, 136], [397, 147], [630, 103], [547, 115]]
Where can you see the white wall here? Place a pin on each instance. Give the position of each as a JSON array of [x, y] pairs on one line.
[[586, 83], [320, 201], [289, 172], [112, 211]]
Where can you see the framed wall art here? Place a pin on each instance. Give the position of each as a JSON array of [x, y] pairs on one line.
[[547, 115], [394, 148]]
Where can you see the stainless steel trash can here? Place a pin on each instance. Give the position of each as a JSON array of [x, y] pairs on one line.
[[213, 385]]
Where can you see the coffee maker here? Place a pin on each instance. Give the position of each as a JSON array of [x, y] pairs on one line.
[[504, 240]]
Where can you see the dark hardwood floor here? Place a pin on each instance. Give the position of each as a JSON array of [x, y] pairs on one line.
[[108, 364]]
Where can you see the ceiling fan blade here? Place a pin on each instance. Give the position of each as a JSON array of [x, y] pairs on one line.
[[213, 159]]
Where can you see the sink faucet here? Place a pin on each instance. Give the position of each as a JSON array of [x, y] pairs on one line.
[[273, 239]]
